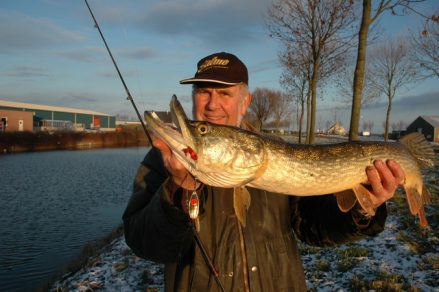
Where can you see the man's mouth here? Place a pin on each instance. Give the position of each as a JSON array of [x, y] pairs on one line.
[[214, 118]]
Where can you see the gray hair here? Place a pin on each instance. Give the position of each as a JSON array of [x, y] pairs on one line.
[[243, 88]]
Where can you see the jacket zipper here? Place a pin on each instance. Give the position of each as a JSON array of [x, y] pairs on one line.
[[245, 271]]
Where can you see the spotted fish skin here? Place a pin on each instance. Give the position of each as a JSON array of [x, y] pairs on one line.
[[233, 157]]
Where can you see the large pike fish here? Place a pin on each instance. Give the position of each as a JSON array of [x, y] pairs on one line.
[[231, 157]]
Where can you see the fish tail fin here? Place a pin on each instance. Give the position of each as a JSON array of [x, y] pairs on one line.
[[241, 203], [417, 201], [420, 148]]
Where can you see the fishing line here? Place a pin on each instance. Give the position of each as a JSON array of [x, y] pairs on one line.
[[130, 98]]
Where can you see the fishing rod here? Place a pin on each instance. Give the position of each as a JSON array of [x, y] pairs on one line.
[[130, 98]]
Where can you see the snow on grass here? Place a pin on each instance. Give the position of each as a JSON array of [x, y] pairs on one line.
[[381, 263], [404, 257]]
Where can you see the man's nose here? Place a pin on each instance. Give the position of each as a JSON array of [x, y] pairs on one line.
[[214, 100]]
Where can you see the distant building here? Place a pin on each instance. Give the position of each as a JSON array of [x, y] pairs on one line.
[[336, 129], [396, 134], [51, 118], [427, 125], [163, 116], [12, 121]]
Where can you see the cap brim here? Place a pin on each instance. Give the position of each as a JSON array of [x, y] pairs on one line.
[[200, 80]]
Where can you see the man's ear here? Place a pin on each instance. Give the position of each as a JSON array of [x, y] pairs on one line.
[[245, 104]]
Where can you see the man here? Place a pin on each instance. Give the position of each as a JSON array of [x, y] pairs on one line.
[[262, 256]]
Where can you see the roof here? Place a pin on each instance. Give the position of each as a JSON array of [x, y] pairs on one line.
[[337, 126], [31, 106], [432, 120]]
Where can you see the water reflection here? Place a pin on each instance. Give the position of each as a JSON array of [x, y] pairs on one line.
[[52, 203]]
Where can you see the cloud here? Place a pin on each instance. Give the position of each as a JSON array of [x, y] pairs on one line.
[[113, 74], [265, 65], [20, 32], [84, 54], [99, 55], [137, 53], [425, 101], [74, 98], [27, 72], [213, 22]]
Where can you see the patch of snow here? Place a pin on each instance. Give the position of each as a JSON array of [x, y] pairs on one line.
[[118, 269]]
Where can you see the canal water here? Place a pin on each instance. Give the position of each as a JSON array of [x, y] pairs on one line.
[[52, 203]]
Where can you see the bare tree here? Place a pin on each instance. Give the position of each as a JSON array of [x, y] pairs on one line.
[[295, 79], [262, 104], [426, 49], [392, 69], [282, 109], [344, 83], [402, 125], [371, 125], [319, 31], [328, 124], [397, 7]]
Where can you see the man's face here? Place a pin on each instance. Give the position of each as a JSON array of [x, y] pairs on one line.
[[220, 104]]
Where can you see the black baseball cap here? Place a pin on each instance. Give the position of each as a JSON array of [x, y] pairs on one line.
[[223, 68]]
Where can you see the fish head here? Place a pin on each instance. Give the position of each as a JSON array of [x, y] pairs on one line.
[[218, 155]]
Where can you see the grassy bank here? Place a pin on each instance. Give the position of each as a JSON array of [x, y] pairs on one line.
[[88, 252], [16, 142]]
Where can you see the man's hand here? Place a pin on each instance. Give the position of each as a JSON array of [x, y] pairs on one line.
[[179, 174], [384, 179]]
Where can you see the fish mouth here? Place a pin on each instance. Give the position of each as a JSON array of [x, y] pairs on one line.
[[176, 135]]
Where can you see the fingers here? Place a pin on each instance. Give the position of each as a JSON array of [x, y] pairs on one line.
[[384, 179], [170, 161], [180, 175], [375, 182], [159, 144], [396, 170]]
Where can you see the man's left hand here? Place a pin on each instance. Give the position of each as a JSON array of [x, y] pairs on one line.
[[384, 179]]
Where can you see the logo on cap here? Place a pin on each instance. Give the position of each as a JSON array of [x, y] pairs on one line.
[[214, 62], [222, 68]]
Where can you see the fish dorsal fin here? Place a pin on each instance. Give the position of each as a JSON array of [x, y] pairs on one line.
[[346, 200], [241, 203], [363, 197], [420, 148]]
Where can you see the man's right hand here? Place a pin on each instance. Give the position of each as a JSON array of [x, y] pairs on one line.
[[180, 176]]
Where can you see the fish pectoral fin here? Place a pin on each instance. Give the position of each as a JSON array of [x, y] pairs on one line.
[[241, 203], [363, 197], [346, 200]]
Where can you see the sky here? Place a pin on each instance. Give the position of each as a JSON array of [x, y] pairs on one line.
[[51, 54]]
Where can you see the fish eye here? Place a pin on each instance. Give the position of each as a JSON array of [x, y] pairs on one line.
[[202, 129]]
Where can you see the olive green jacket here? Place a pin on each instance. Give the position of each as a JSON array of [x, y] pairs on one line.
[[265, 251]]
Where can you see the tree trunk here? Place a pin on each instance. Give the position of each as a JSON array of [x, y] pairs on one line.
[[359, 71], [308, 114], [389, 109], [315, 77], [259, 125], [300, 121]]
